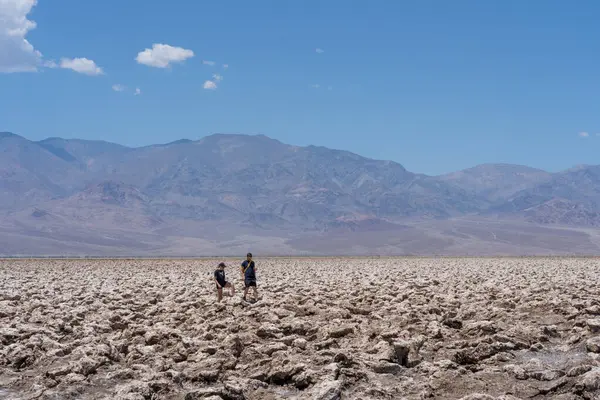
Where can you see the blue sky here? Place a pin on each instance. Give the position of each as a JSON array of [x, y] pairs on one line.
[[435, 85]]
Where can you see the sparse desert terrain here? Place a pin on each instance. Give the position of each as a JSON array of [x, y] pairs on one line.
[[329, 328]]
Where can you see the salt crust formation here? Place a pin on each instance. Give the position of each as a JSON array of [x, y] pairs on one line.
[[363, 328]]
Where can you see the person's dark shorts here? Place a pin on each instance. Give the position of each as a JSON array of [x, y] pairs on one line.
[[250, 282], [223, 284]]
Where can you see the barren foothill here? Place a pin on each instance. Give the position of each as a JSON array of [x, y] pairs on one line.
[[328, 328]]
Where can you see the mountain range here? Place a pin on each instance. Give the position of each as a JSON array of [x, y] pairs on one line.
[[228, 194]]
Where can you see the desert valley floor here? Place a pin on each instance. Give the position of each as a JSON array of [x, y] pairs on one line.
[[324, 328]]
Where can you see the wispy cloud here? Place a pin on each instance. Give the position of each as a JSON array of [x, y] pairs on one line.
[[584, 134], [50, 64], [315, 86], [319, 51], [217, 77], [137, 92], [163, 55], [210, 63], [210, 85], [82, 66], [225, 66], [118, 88]]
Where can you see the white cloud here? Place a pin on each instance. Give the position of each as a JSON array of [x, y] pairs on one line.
[[50, 64], [315, 86], [163, 55], [584, 134], [320, 51], [210, 85], [217, 77], [225, 66], [137, 92], [16, 53], [211, 63], [81, 65], [118, 88]]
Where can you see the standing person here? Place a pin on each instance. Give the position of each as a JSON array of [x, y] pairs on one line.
[[248, 271], [222, 282]]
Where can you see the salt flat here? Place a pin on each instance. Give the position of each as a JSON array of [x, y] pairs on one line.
[[328, 328]]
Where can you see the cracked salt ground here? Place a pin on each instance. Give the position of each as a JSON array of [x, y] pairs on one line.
[[384, 328], [558, 359], [6, 394]]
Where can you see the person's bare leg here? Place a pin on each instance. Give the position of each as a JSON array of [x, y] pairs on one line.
[[219, 294], [245, 292], [231, 289], [255, 292]]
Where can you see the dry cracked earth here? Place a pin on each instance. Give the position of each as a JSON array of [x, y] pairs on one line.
[[405, 328]]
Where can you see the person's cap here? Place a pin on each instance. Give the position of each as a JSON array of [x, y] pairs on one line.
[[249, 255], [222, 265]]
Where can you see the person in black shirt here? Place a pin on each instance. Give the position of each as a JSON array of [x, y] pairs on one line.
[[222, 282], [248, 271]]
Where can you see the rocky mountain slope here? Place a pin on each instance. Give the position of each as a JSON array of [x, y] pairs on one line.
[[497, 182], [242, 183]]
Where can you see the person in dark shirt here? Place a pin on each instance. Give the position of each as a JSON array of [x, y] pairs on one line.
[[248, 271], [222, 282]]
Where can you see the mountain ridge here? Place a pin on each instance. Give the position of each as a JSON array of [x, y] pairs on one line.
[[214, 135], [242, 184]]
